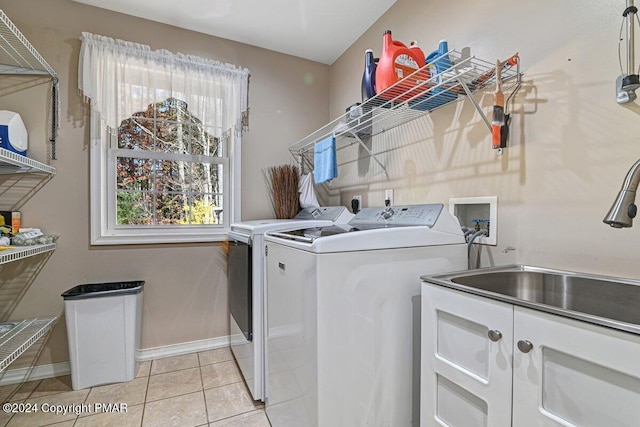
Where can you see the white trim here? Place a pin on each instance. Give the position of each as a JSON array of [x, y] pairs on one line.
[[235, 214], [167, 238], [103, 182], [15, 376], [237, 339], [182, 348], [40, 372]]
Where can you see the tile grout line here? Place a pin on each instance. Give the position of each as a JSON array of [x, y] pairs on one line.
[[204, 396], [146, 393]]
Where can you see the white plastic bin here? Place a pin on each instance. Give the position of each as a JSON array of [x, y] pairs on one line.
[[103, 327]]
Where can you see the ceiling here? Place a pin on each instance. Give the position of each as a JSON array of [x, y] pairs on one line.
[[319, 30]]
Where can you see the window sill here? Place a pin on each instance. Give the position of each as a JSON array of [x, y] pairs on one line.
[[141, 239]]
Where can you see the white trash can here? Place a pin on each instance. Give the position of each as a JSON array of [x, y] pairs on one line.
[[103, 328]]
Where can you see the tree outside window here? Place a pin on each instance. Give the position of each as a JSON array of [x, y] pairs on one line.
[[168, 191]]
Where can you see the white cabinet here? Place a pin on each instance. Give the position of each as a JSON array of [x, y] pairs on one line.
[[576, 373], [489, 363], [466, 377]]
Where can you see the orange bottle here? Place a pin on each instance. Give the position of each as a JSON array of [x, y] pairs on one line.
[[400, 63]]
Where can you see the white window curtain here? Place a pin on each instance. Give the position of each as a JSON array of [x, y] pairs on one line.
[[119, 79], [114, 76]]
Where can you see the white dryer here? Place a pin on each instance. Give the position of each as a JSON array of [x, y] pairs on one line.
[[343, 315], [245, 276]]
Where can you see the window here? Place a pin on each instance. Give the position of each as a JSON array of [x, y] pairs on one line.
[[165, 129], [169, 169]]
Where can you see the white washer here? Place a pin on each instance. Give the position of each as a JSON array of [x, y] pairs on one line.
[[343, 316], [246, 286]]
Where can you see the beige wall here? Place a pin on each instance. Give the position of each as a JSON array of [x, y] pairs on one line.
[[571, 143], [570, 149], [185, 293]]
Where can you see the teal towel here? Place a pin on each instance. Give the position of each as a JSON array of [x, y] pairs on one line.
[[325, 163]]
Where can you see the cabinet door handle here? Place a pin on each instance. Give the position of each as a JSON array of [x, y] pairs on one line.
[[282, 266], [495, 335], [525, 346]]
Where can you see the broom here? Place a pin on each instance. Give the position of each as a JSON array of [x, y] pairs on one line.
[[282, 183]]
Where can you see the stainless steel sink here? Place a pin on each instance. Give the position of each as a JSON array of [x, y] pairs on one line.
[[607, 301]]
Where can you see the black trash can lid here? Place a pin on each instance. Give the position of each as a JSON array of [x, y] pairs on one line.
[[96, 290]]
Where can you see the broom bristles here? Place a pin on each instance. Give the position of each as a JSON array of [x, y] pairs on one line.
[[282, 183]]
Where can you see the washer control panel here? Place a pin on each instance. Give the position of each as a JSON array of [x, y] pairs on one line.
[[398, 216]]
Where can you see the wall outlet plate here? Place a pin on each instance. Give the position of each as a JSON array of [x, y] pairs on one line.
[[388, 195], [356, 208], [470, 210]]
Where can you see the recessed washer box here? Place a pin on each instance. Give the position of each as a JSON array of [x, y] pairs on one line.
[[481, 210]]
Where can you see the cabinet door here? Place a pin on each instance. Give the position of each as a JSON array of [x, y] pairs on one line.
[[576, 373], [466, 359]]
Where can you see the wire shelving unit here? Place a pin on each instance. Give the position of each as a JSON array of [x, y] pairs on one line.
[[404, 102], [17, 337], [19, 57]]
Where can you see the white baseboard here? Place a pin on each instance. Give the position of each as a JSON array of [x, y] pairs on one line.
[[14, 376], [182, 348], [33, 373]]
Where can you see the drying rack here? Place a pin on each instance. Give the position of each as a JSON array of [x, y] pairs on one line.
[[19, 57], [404, 102]]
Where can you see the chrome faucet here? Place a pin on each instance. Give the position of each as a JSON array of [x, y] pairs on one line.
[[624, 208]]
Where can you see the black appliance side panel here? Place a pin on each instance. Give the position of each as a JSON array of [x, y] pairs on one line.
[[240, 286]]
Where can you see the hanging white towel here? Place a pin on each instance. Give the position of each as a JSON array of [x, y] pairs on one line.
[[325, 163], [307, 194]]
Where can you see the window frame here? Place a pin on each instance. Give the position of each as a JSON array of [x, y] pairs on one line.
[[104, 231]]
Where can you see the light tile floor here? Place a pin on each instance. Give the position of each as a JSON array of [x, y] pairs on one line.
[[197, 389]]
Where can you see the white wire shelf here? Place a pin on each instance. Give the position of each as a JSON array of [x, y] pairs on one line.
[[22, 252], [17, 337], [19, 57], [11, 162], [404, 102]]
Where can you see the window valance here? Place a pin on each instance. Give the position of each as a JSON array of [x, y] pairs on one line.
[[120, 78]]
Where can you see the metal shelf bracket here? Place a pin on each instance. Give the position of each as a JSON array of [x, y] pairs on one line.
[[371, 153], [483, 116]]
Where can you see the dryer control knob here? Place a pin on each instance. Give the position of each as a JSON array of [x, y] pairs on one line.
[[387, 213]]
